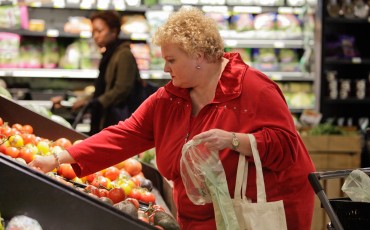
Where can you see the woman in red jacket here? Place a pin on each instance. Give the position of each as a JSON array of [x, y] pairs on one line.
[[217, 97]]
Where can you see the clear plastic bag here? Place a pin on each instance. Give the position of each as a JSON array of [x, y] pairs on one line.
[[357, 186], [23, 222], [205, 182]]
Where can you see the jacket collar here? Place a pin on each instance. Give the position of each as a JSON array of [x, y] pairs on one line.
[[229, 86]]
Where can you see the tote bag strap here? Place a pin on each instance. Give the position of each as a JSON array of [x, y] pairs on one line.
[[242, 174]]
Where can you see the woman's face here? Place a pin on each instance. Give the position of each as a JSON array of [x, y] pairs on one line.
[[101, 33], [180, 66]]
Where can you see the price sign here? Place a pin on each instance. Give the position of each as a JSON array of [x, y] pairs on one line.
[[52, 33]]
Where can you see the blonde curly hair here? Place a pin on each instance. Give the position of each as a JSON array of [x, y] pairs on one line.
[[193, 31]]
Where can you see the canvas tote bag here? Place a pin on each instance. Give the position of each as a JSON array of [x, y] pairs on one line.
[[261, 215]]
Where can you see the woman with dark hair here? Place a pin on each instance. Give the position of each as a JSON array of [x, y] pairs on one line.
[[118, 73]]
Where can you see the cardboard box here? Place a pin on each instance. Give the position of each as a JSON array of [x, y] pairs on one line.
[[333, 143]]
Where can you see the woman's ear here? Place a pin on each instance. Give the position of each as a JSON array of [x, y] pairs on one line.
[[199, 57]]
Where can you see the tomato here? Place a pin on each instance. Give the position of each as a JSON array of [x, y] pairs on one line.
[[136, 181], [91, 189], [43, 147], [26, 154], [132, 166], [134, 202], [12, 151], [7, 131], [116, 195], [1, 121], [66, 171], [112, 173], [147, 197], [27, 129], [103, 192], [29, 138], [16, 140], [63, 142], [135, 193], [126, 187], [17, 126], [101, 181]]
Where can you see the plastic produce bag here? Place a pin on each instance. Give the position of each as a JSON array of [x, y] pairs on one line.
[[23, 223], [357, 186], [205, 182]]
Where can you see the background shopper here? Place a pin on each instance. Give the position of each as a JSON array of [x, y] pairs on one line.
[[118, 74]]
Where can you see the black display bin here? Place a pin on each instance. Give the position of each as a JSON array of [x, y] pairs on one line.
[[53, 204], [24, 191]]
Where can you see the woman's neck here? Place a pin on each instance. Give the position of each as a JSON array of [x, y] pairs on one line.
[[204, 93]]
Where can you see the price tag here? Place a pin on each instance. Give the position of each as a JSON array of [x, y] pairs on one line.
[[139, 36], [86, 4], [119, 5], [231, 43], [285, 10], [102, 5], [59, 4], [52, 33], [276, 77], [85, 34], [168, 8], [248, 9], [279, 44], [35, 4], [220, 9], [356, 60]]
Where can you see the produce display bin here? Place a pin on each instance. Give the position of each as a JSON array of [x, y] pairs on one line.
[[55, 205]]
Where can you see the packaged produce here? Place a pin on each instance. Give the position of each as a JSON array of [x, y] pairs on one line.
[[9, 49], [288, 60], [134, 24], [333, 8], [241, 22], [265, 59], [264, 25], [288, 26]]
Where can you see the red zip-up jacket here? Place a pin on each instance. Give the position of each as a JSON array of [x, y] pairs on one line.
[[246, 101]]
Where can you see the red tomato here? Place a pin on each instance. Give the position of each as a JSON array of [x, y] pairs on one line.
[[7, 131], [136, 180], [92, 190], [63, 142], [100, 181], [132, 166], [17, 126], [103, 192], [12, 151], [26, 154], [147, 197], [112, 173], [66, 171], [135, 193], [1, 121], [27, 129], [29, 138], [116, 195]]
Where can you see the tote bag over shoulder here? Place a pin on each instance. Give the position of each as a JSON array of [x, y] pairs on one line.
[[262, 215]]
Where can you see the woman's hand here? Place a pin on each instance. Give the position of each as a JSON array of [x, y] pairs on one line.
[[215, 139], [44, 163]]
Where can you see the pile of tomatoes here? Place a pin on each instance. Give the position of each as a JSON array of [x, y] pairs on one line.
[[116, 183]]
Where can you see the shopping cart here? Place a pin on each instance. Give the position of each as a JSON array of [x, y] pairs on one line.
[[343, 213]]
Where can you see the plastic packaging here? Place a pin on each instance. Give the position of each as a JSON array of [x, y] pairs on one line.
[[23, 223], [357, 186], [205, 182]]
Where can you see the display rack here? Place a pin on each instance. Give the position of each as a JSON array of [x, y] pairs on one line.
[[344, 57]]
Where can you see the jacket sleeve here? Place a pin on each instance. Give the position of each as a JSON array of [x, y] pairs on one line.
[[117, 142], [124, 70], [274, 129]]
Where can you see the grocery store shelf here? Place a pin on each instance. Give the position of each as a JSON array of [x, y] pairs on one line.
[[50, 73], [82, 34], [236, 42], [352, 61], [145, 74]]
